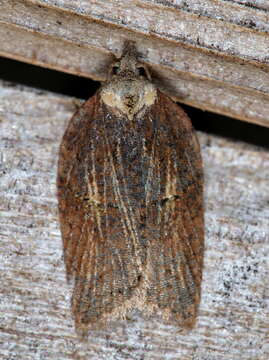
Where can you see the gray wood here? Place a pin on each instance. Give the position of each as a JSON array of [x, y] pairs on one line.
[[210, 54], [35, 321]]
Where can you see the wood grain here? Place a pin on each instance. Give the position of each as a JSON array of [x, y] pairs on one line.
[[35, 320], [209, 54]]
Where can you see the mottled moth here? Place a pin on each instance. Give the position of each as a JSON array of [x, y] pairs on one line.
[[130, 191]]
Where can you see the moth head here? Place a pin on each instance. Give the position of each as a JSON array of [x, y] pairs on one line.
[[128, 65], [128, 90]]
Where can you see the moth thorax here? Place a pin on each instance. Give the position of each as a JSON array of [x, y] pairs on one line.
[[128, 97]]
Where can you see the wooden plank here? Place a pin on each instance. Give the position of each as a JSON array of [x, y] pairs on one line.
[[35, 320], [209, 54]]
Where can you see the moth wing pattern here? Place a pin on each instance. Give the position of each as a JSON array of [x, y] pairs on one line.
[[131, 213], [175, 256]]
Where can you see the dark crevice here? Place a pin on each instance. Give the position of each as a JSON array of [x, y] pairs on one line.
[[227, 127], [51, 80]]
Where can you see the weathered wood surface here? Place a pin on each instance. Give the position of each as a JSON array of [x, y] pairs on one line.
[[210, 54], [35, 321]]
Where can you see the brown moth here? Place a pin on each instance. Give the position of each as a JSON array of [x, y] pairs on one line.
[[130, 191]]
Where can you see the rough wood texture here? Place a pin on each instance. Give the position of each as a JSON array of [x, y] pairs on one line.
[[35, 320], [210, 54]]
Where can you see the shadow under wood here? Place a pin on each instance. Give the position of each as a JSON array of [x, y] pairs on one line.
[[83, 88]]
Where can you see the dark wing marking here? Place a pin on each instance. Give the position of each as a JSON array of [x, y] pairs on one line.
[[175, 256]]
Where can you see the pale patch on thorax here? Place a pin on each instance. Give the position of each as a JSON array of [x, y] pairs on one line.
[[129, 96]]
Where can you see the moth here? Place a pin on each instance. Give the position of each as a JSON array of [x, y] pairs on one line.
[[130, 193]]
